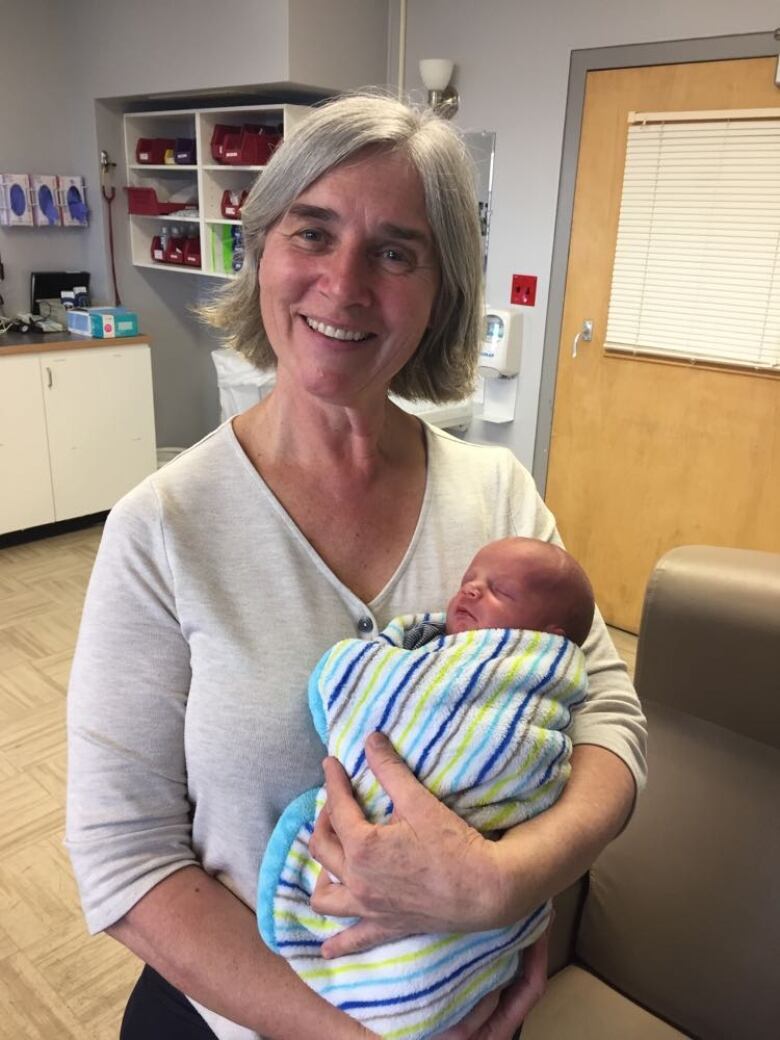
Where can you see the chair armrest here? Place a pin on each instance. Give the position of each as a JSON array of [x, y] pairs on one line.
[[710, 631], [568, 909]]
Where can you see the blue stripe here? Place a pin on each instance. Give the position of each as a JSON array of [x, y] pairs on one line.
[[480, 939], [446, 692], [361, 726], [508, 736], [466, 693], [348, 1005], [365, 649], [546, 775], [291, 884], [399, 689]]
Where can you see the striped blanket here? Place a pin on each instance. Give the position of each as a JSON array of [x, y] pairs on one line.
[[479, 717]]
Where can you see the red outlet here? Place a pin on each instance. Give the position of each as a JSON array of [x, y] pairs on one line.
[[523, 289]]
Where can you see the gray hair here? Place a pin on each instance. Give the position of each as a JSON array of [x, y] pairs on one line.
[[442, 368]]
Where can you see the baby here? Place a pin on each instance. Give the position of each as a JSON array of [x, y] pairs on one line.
[[476, 702], [523, 583]]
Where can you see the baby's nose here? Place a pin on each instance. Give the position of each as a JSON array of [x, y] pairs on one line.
[[472, 590]]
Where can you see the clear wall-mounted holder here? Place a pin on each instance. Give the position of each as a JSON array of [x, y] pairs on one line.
[[15, 206], [42, 200], [495, 399]]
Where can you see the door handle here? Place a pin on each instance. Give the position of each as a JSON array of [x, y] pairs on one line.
[[50, 382], [585, 334]]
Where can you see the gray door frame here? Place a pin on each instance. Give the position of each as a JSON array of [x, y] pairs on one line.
[[674, 52]]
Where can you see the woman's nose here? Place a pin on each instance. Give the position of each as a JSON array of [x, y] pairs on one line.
[[345, 278]]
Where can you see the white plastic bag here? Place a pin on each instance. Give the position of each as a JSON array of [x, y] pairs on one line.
[[240, 384]]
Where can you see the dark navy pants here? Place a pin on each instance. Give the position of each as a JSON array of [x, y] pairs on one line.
[[156, 1010]]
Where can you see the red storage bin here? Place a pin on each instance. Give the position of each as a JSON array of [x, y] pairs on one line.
[[251, 146], [218, 135], [174, 251], [246, 145], [143, 202], [152, 150], [192, 252], [231, 204]]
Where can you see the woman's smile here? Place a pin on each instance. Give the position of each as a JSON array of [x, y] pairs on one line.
[[348, 280], [337, 332]]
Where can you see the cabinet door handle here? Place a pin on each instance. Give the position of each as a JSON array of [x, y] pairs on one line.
[[50, 382]]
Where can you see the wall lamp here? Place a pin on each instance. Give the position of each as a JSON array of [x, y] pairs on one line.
[[442, 97]]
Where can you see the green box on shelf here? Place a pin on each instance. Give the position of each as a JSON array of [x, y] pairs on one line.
[[221, 248]]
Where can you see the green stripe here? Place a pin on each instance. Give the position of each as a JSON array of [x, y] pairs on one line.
[[466, 745], [388, 962]]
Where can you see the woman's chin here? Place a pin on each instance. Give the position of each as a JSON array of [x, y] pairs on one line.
[[342, 390]]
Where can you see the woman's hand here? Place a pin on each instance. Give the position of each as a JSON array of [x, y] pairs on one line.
[[499, 1015], [425, 871]]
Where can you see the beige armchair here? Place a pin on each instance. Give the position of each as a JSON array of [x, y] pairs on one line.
[[676, 930]]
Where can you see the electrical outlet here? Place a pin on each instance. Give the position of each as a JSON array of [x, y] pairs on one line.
[[523, 290]]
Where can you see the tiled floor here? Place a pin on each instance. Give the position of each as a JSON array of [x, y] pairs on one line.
[[56, 983]]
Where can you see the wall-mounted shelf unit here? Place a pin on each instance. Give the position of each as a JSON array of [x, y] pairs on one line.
[[201, 184]]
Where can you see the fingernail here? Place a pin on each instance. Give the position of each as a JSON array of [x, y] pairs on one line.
[[377, 740]]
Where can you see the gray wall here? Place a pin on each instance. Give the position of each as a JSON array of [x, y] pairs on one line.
[[95, 55], [338, 43], [512, 61], [36, 113]]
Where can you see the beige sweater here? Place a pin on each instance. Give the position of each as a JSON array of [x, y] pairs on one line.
[[207, 609]]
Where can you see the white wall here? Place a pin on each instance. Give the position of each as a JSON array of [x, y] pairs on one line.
[[512, 70]]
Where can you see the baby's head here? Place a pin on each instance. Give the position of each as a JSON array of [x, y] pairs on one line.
[[523, 583]]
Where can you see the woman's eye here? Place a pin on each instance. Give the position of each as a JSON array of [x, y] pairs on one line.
[[310, 236], [394, 259]]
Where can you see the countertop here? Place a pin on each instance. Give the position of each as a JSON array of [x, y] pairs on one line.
[[42, 342]]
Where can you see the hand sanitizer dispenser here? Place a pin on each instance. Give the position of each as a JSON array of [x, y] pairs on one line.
[[502, 337], [499, 364]]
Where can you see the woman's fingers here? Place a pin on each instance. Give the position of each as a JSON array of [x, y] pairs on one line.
[[364, 935], [521, 995], [469, 1027], [424, 870], [333, 898], [326, 848], [345, 813], [396, 778]]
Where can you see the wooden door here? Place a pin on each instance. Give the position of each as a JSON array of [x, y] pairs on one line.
[[646, 455], [101, 425]]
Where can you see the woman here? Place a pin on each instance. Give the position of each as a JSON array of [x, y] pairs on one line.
[[321, 512]]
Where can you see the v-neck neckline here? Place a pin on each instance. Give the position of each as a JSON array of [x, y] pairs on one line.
[[322, 566]]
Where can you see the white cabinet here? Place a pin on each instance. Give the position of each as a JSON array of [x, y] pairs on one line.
[[90, 440], [202, 183], [25, 477]]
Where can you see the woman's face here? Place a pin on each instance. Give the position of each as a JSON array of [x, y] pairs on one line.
[[348, 279]]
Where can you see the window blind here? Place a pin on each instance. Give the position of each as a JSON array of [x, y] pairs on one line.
[[697, 265]]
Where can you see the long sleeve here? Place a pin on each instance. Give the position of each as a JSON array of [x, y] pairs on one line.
[[128, 815]]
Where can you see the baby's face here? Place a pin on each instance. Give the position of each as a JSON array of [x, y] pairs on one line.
[[495, 593]]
